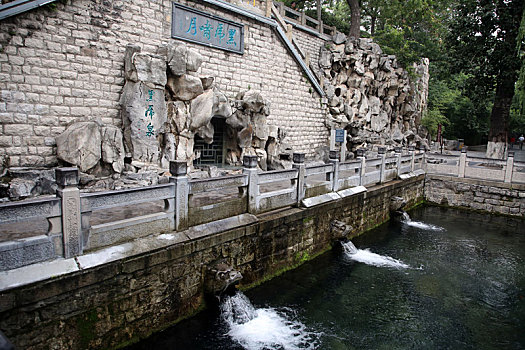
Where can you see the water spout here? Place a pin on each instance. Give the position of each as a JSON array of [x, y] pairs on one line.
[[220, 279], [264, 328], [367, 257], [396, 209]]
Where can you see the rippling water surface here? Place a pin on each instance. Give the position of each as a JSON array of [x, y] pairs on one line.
[[452, 280]]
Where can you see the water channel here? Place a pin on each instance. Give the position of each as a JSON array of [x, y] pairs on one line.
[[445, 279]]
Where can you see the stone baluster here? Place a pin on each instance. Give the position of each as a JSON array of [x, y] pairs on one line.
[[362, 169], [422, 149], [398, 151], [289, 32], [462, 162], [509, 168], [67, 181], [298, 163], [381, 151], [268, 11], [343, 147], [250, 168], [411, 151], [334, 176], [179, 170]]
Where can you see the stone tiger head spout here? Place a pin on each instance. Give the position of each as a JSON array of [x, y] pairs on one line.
[[220, 278]]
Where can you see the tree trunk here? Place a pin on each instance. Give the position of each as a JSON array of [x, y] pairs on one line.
[[355, 19], [499, 116], [319, 15]]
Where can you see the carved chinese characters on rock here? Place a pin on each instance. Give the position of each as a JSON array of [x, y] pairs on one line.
[[144, 107], [150, 129], [206, 29]]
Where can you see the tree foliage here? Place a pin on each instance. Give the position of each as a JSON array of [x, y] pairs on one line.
[[483, 43], [476, 50]]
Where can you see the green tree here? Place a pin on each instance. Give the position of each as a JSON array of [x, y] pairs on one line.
[[483, 43]]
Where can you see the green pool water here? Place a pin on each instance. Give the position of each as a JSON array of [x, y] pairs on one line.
[[447, 280]]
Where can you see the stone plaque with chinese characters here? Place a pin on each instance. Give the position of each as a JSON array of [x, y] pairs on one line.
[[206, 29]]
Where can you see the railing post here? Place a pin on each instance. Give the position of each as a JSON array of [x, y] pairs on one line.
[[334, 159], [298, 163], [343, 147], [289, 32], [381, 151], [178, 170], [398, 152], [303, 18], [362, 170], [269, 4], [462, 162], [67, 181], [411, 151], [250, 168], [510, 167]]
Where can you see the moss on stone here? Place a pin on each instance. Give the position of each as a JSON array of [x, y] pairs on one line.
[[86, 328], [305, 257]]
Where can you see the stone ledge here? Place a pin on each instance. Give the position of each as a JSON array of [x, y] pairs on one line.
[[51, 269], [352, 191], [36, 272], [509, 186], [324, 198]]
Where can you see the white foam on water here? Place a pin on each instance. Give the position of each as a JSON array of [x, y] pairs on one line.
[[367, 257], [423, 225], [264, 328]]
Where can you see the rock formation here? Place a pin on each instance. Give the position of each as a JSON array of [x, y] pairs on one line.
[[91, 146], [165, 103], [370, 96]]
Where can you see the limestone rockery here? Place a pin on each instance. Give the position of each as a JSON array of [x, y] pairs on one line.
[[371, 96]]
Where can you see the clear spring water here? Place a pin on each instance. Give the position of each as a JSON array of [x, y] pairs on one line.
[[452, 280]]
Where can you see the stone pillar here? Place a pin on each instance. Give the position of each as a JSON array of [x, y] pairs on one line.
[[178, 170], [332, 140], [269, 4], [362, 171], [298, 163], [343, 147], [334, 178], [462, 162], [289, 32], [382, 153], [411, 151], [67, 181], [422, 150], [398, 151], [509, 168], [250, 168]]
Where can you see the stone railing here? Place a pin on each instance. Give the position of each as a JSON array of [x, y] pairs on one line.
[[73, 223], [464, 166], [299, 17]]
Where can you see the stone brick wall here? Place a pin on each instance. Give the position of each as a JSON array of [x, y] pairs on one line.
[[492, 197], [310, 44], [121, 301], [65, 63]]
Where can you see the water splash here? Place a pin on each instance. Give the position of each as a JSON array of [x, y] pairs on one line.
[[423, 226], [265, 328], [405, 218], [367, 257]]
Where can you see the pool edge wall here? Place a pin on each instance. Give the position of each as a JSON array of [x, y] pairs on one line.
[[118, 303]]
